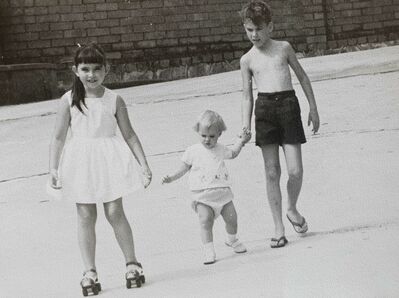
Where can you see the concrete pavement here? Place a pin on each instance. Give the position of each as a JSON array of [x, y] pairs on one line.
[[349, 195]]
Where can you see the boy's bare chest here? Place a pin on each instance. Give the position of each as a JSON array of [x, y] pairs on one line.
[[262, 64]]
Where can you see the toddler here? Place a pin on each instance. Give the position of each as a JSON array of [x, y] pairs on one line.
[[209, 181]]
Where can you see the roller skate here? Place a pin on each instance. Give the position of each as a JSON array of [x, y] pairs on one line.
[[89, 283], [134, 275]]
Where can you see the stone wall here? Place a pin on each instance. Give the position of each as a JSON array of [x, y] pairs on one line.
[[24, 83], [158, 40]]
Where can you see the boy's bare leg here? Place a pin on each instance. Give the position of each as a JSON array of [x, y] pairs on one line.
[[116, 216], [229, 215], [293, 157], [273, 173], [206, 218], [87, 216]]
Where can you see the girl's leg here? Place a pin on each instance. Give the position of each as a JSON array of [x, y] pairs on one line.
[[206, 220], [116, 217], [87, 216], [273, 173], [293, 157]]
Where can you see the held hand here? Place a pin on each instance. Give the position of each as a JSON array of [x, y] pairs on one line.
[[166, 179], [147, 176], [314, 119], [245, 135]]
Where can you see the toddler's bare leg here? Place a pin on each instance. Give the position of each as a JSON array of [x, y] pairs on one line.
[[293, 157], [273, 173], [206, 220], [229, 215], [116, 216], [87, 216]]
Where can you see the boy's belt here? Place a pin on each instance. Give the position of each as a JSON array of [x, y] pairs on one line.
[[276, 95]]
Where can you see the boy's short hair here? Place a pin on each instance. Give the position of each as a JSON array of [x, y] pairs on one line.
[[210, 118], [257, 11]]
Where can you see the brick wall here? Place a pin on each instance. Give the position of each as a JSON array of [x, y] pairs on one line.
[[361, 21], [155, 40]]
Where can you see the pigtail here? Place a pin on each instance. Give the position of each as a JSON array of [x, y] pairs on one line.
[[78, 94]]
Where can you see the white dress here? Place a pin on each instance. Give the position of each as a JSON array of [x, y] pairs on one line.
[[96, 165]]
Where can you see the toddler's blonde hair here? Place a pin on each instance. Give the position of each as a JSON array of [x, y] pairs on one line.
[[210, 118]]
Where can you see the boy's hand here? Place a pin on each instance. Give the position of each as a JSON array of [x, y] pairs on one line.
[[54, 182], [314, 119], [245, 135], [166, 179], [147, 176]]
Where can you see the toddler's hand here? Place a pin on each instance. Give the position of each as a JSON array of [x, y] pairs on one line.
[[166, 179], [147, 177]]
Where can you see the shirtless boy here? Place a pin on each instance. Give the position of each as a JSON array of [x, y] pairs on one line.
[[277, 112]]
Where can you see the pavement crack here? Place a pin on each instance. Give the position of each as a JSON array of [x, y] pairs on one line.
[[22, 177], [27, 117], [206, 95], [160, 154], [352, 131], [351, 229], [163, 100]]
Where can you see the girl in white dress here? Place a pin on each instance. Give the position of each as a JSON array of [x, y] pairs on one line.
[[209, 181], [96, 165]]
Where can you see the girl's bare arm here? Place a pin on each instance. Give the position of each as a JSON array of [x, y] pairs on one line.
[[58, 139], [130, 135], [60, 132]]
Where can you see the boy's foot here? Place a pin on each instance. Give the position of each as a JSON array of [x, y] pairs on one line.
[[299, 227], [237, 246], [134, 275], [209, 255], [277, 243]]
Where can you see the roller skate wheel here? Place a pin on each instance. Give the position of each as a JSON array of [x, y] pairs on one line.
[[94, 289]]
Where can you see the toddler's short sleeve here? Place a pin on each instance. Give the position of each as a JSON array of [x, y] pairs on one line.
[[187, 157]]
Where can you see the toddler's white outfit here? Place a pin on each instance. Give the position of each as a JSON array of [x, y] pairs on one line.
[[209, 181], [96, 165]]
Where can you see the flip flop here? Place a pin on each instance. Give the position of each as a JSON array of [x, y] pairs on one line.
[[299, 228], [277, 243]]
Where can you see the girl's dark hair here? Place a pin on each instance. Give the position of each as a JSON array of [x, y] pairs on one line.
[[257, 11], [91, 53]]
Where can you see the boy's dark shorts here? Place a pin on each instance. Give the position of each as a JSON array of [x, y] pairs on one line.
[[278, 119]]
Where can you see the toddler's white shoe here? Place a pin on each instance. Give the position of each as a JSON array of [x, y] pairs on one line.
[[237, 246], [209, 255]]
